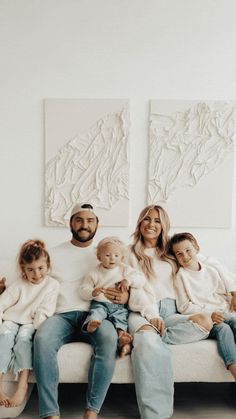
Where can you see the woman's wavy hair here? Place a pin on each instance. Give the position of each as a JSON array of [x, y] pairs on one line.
[[138, 247]]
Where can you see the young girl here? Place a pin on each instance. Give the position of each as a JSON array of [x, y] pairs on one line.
[[111, 271], [206, 289], [24, 305]]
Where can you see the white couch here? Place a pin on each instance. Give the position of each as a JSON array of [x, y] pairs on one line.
[[193, 362]]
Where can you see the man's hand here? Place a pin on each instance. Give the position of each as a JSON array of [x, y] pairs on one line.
[[217, 317], [159, 324], [2, 284], [97, 291], [116, 296], [233, 302]]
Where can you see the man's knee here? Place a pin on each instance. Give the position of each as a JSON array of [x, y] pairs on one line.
[[106, 334], [203, 320]]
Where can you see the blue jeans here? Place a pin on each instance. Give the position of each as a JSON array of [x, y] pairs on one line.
[[59, 330], [152, 359], [153, 375], [16, 346], [178, 329], [225, 334], [116, 313]]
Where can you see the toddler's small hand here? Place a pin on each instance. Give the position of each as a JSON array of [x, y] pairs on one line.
[[97, 291], [123, 285]]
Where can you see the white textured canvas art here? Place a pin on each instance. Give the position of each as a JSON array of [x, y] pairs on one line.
[[86, 156], [191, 161]]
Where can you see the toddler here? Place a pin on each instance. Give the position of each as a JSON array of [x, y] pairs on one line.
[[24, 305], [206, 289], [110, 272]]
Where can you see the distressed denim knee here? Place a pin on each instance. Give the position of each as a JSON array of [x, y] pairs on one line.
[[8, 331], [23, 348]]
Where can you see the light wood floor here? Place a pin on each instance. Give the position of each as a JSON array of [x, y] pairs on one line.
[[199, 401]]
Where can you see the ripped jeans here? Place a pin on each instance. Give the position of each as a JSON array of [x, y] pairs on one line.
[[178, 328], [16, 346]]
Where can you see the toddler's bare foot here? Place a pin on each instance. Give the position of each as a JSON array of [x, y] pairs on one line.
[[4, 400], [125, 350], [93, 325], [124, 337], [18, 397], [90, 414], [124, 343]]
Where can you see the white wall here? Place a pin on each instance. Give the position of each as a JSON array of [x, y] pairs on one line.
[[137, 49]]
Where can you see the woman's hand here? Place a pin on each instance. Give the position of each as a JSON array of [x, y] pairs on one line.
[[116, 296], [159, 324]]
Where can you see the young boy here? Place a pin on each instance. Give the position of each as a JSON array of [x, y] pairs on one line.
[[202, 288]]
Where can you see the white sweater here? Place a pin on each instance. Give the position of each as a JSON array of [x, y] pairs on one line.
[[206, 290], [145, 300], [104, 278], [23, 302], [69, 265]]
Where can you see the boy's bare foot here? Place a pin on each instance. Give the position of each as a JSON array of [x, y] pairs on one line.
[[4, 400], [90, 414], [18, 397], [93, 325], [53, 417], [125, 350]]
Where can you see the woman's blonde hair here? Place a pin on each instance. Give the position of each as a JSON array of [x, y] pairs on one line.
[[32, 250], [138, 247]]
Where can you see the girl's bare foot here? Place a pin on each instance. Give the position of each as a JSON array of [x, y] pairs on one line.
[[53, 417], [90, 414], [93, 325], [125, 350], [4, 400], [18, 397]]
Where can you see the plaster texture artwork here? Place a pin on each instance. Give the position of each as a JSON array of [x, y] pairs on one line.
[[87, 159], [191, 161]]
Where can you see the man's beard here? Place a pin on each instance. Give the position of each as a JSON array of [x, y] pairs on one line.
[[83, 239]]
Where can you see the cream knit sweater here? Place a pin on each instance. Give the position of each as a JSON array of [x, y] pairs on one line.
[[23, 302]]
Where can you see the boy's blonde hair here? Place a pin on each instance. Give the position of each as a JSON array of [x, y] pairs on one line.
[[32, 250], [111, 240], [180, 237]]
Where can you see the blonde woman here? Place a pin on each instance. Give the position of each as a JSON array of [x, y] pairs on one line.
[[155, 320]]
